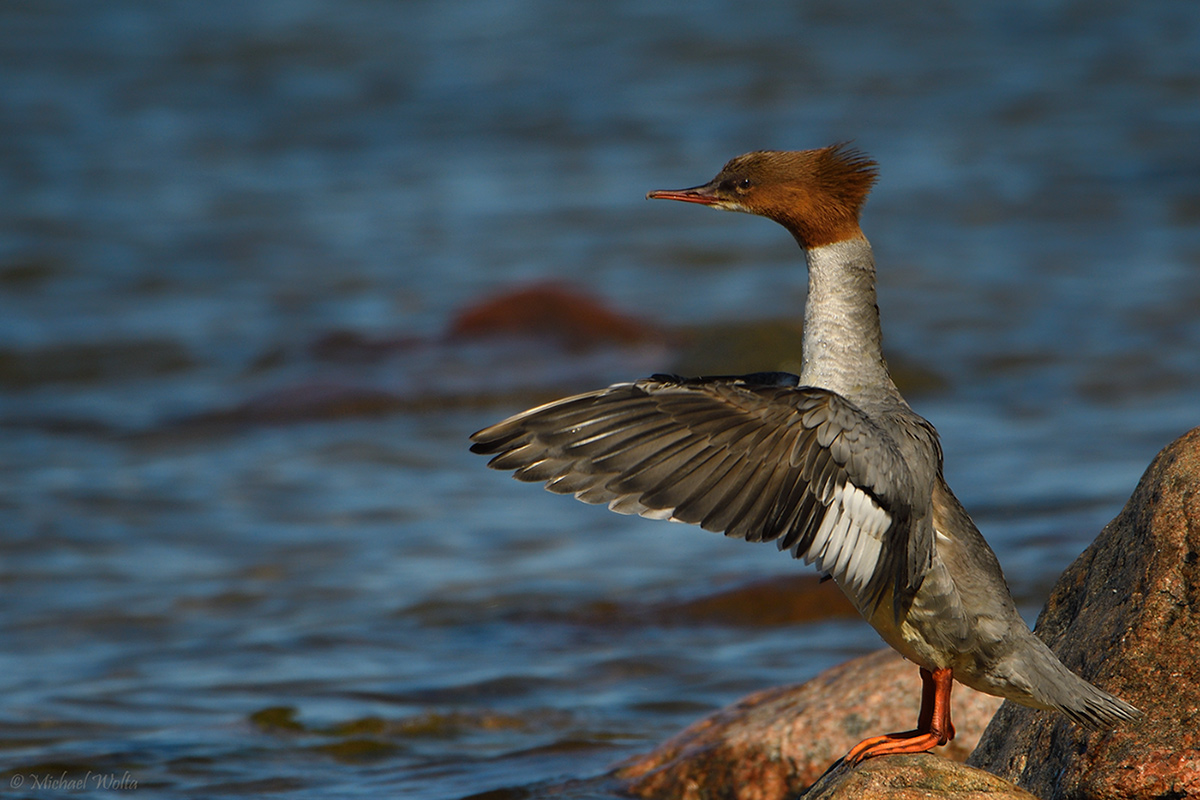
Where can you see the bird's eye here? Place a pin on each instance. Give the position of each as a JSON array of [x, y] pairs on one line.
[[738, 185]]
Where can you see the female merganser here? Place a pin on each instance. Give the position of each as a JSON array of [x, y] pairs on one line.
[[832, 464]]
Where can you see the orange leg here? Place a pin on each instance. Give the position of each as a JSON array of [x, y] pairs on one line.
[[933, 725]]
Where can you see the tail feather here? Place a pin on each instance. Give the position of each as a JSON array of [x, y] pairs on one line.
[[1052, 685], [1096, 709]]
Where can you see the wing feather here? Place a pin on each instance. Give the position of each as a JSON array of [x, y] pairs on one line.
[[754, 457]]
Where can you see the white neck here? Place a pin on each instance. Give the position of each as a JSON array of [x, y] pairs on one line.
[[843, 343]]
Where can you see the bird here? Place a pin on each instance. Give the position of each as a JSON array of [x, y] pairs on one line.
[[832, 464]]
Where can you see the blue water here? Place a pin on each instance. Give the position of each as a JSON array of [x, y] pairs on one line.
[[317, 601]]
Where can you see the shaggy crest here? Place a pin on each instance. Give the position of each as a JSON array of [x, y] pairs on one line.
[[815, 194]]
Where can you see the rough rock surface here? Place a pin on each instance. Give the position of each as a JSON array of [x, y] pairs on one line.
[[1126, 616], [912, 777], [774, 743]]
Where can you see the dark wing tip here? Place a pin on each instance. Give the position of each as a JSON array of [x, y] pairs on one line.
[[496, 438]]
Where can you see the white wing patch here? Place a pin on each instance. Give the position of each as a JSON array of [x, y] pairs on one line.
[[847, 544], [850, 537]]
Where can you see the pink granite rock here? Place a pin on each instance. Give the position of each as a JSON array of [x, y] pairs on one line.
[[913, 777], [1125, 616], [776, 742]]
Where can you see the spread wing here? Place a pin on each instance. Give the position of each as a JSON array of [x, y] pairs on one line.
[[756, 457]]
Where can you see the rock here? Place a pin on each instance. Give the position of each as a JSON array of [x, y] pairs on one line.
[[783, 600], [1125, 616], [550, 311], [774, 743], [912, 777]]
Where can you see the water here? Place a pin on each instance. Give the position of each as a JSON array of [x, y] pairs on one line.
[[232, 565]]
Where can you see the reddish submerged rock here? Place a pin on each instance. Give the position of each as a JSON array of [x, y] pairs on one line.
[[784, 600], [1126, 616], [551, 311]]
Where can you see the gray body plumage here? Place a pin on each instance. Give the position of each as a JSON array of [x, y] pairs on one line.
[[834, 466]]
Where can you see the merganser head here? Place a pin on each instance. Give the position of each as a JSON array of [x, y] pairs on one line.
[[815, 194]]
